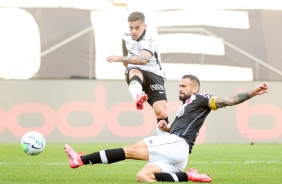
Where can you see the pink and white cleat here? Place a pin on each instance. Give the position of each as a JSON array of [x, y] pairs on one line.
[[194, 176], [74, 158], [140, 99]]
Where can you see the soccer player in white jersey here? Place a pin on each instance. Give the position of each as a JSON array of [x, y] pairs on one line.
[[142, 60], [167, 155]]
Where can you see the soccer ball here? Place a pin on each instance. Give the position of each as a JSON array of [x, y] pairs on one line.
[[33, 143]]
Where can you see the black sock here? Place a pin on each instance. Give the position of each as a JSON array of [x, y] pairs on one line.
[[104, 157], [171, 177], [166, 119]]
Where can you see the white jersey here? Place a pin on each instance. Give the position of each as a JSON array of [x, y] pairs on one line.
[[148, 41]]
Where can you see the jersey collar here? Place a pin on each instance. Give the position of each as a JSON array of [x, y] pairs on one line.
[[190, 100], [142, 35]]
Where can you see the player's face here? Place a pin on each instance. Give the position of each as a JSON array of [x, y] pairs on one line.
[[186, 89], [136, 29]]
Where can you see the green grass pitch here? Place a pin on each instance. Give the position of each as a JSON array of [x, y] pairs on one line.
[[225, 163]]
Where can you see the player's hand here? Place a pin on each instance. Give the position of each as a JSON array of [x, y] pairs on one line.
[[260, 89], [113, 58], [162, 124]]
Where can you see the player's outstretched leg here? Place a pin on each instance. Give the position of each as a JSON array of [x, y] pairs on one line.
[[140, 99], [194, 176], [74, 158]]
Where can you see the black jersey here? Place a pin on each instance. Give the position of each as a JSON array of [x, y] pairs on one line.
[[191, 116]]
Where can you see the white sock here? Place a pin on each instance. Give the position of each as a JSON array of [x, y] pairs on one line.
[[135, 88]]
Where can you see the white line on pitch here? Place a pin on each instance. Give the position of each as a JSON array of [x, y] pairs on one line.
[[129, 163]]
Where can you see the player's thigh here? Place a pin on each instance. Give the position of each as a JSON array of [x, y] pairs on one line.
[[153, 86], [138, 151], [153, 82]]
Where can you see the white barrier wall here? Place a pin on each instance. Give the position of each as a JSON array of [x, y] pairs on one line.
[[103, 111], [110, 25], [20, 44], [38, 42]]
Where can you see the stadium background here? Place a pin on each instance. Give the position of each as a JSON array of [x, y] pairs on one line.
[[56, 79]]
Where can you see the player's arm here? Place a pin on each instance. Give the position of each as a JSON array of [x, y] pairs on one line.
[[219, 102], [124, 52], [141, 59]]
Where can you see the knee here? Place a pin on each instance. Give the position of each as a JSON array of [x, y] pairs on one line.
[[142, 177], [135, 72]]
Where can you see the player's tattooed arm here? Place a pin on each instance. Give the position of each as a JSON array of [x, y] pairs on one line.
[[240, 97], [142, 59], [232, 100]]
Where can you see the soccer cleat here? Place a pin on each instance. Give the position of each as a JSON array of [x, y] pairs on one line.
[[194, 176], [74, 158], [140, 99]]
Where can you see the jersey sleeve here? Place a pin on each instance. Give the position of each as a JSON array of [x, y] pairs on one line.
[[212, 103]]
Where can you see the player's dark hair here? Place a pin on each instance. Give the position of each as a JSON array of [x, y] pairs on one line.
[[136, 16], [193, 78]]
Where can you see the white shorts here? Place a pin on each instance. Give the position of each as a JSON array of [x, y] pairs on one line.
[[169, 152]]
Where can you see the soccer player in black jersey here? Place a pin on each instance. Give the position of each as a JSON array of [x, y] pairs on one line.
[[167, 155]]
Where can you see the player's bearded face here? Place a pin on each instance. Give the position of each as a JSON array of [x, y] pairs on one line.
[[185, 93], [136, 29], [183, 97], [185, 89]]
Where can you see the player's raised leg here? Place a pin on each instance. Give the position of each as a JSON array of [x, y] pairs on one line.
[[134, 79]]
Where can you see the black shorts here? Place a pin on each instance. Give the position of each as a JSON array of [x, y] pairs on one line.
[[153, 85]]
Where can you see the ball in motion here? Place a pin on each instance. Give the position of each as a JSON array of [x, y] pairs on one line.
[[33, 143]]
